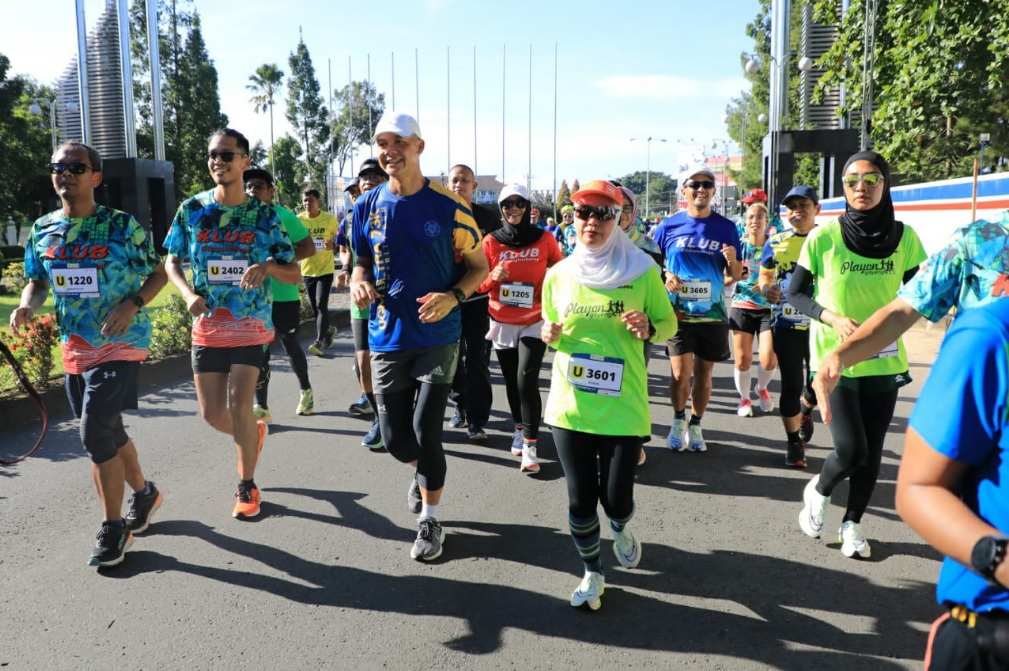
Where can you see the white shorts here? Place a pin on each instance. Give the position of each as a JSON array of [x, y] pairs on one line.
[[507, 336]]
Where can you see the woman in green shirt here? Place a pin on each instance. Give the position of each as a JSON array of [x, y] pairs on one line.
[[855, 265], [600, 305]]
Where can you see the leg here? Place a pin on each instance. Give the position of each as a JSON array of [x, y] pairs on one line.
[[850, 441], [679, 382], [427, 425], [577, 453], [263, 380], [212, 395], [742, 347], [323, 287], [509, 362], [479, 394], [700, 393], [530, 360], [241, 388], [877, 411]]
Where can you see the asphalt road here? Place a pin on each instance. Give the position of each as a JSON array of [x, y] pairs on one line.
[[323, 579]]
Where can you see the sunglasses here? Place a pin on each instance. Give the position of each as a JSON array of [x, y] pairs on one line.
[[72, 168], [226, 156], [568, 215], [870, 179], [513, 204], [627, 209], [694, 184], [586, 212]]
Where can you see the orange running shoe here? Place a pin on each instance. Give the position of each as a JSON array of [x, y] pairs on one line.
[[246, 502], [264, 430]]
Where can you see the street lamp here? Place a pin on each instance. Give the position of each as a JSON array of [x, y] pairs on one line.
[[36, 109], [648, 165]]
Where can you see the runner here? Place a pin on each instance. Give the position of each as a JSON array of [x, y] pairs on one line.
[[318, 269], [519, 255], [233, 243], [749, 316], [104, 331], [567, 238], [600, 305], [855, 264]]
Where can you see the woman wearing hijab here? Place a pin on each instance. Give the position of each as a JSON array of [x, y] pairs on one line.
[[634, 227], [600, 305], [855, 264], [519, 254]]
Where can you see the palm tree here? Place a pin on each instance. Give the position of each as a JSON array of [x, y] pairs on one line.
[[265, 84]]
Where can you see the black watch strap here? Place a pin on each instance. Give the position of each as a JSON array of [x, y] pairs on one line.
[[137, 300], [459, 294], [987, 554]]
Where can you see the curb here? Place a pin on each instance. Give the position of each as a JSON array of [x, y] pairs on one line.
[[17, 412]]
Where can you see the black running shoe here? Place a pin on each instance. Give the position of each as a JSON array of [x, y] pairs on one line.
[[142, 509], [806, 427], [796, 455], [111, 545]]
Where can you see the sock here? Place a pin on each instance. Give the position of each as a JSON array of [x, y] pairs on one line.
[[248, 485], [519, 427], [793, 437], [742, 380], [370, 395], [146, 491], [694, 419], [585, 534], [428, 510], [680, 414], [618, 525], [764, 377], [121, 523], [529, 442]]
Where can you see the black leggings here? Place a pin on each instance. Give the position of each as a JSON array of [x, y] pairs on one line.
[[298, 364], [318, 289], [598, 469], [858, 427], [412, 431], [521, 370], [791, 346]]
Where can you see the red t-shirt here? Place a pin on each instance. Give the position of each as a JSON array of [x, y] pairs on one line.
[[516, 300]]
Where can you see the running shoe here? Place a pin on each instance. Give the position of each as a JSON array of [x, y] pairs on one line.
[[458, 419], [529, 462], [745, 408], [476, 433], [796, 455], [429, 541], [361, 407], [806, 426], [814, 509], [627, 548], [330, 335], [413, 498], [696, 438], [676, 432], [111, 545], [517, 443], [264, 431], [766, 402], [589, 591], [853, 541], [247, 502], [262, 413], [306, 405], [141, 509], [315, 348], [373, 439]]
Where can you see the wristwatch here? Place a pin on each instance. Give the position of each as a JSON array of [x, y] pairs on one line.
[[459, 294], [987, 554], [137, 300]]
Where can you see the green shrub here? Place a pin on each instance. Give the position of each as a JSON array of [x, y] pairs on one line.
[[33, 349], [172, 329], [14, 276]]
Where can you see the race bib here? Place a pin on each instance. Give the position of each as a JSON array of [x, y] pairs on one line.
[[517, 294], [888, 351], [695, 290], [226, 270], [80, 282], [596, 374], [320, 244], [794, 316]]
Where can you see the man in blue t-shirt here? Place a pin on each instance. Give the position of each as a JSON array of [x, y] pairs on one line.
[[406, 234], [953, 486], [702, 251]]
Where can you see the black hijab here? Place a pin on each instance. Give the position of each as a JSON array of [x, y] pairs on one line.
[[873, 233], [523, 235]]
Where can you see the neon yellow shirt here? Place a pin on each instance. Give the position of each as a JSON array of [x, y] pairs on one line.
[[322, 229]]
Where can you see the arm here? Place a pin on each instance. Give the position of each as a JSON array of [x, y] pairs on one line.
[[767, 287], [304, 248], [118, 321], [195, 303], [436, 305], [802, 281], [362, 289], [33, 296], [733, 266]]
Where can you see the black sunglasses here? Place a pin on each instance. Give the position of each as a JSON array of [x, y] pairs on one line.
[[72, 168], [226, 156], [694, 184], [586, 212], [508, 204]]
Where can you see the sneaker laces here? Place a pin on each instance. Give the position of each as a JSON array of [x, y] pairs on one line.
[[426, 530]]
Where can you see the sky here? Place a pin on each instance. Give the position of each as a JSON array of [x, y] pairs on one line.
[[660, 69]]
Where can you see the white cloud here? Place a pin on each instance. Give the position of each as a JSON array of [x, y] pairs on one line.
[[669, 87]]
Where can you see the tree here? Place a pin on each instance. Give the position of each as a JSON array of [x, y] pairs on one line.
[[290, 171], [264, 84], [308, 115], [27, 145], [575, 186], [259, 156], [359, 107], [563, 195], [659, 185]]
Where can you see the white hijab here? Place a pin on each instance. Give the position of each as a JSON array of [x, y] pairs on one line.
[[616, 262]]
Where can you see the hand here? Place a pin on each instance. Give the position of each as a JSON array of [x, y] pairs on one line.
[[824, 382], [342, 280], [673, 283], [772, 293], [745, 273], [843, 325], [729, 252], [119, 320], [500, 273], [255, 275], [550, 332], [363, 294], [20, 317], [435, 306], [637, 323], [196, 305], [328, 245]]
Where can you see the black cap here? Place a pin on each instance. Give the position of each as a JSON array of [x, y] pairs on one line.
[[801, 191], [353, 184], [258, 173], [371, 165]]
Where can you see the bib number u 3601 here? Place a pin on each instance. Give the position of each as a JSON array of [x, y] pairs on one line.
[[596, 374]]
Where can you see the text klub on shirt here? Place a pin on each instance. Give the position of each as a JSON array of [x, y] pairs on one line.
[[517, 299]]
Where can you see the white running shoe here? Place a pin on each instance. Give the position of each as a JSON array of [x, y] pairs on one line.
[[814, 509], [696, 438], [627, 548], [766, 402], [589, 591], [529, 463], [676, 432], [517, 443], [853, 540], [745, 408]]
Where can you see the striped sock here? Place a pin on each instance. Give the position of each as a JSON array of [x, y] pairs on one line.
[[585, 534], [617, 524]]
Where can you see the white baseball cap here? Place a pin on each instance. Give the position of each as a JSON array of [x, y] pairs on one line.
[[399, 123], [519, 190]]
